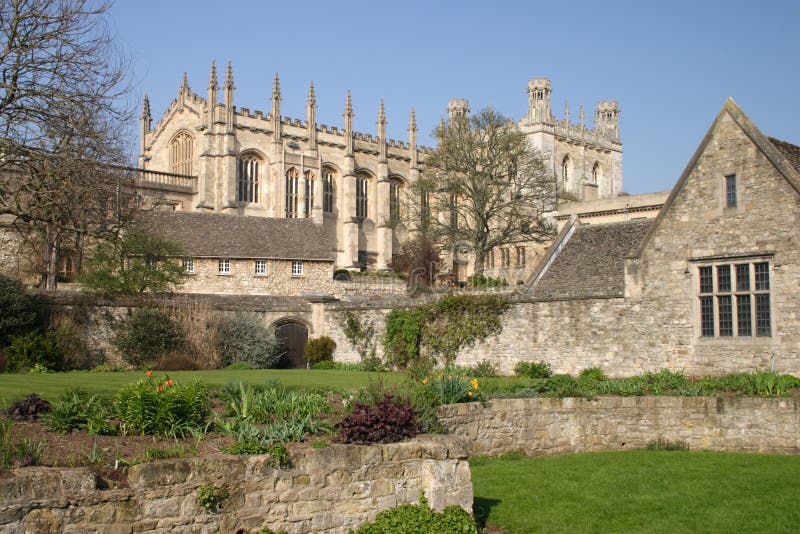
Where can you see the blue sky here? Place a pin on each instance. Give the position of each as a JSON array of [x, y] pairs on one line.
[[669, 65]]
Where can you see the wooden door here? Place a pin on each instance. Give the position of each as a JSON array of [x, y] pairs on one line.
[[293, 337]]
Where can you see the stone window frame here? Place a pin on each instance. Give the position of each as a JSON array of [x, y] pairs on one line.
[[521, 259], [308, 188], [260, 267], [291, 193], [597, 173], [188, 265], [181, 153], [328, 190], [297, 268], [505, 258], [362, 196], [730, 191], [734, 292], [224, 267], [248, 178]]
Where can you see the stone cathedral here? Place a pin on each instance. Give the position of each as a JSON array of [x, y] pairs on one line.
[[212, 156]]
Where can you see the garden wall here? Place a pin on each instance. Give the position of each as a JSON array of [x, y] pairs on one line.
[[330, 490], [548, 426]]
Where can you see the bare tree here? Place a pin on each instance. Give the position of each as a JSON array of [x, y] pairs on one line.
[[62, 118], [484, 187]]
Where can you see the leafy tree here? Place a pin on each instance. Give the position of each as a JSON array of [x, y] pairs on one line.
[[20, 312], [137, 263], [146, 335], [484, 187], [62, 127]]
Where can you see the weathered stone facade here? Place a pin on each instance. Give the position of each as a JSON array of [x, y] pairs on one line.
[[329, 490], [561, 426]]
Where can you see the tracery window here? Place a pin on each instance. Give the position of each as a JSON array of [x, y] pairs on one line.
[[328, 194], [597, 173], [308, 184], [394, 199], [453, 211], [247, 178], [292, 192], [361, 197], [181, 153], [566, 171]]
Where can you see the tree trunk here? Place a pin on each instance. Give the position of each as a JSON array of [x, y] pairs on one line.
[[50, 258]]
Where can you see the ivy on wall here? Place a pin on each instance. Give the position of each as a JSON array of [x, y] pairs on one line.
[[442, 328]]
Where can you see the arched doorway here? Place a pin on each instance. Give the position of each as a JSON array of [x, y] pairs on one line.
[[293, 337]]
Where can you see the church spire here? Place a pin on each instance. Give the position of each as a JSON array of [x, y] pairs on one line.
[[212, 77], [348, 124], [229, 87], [213, 94], [229, 76], [311, 117], [412, 137], [276, 112], [382, 131], [146, 110], [185, 83]]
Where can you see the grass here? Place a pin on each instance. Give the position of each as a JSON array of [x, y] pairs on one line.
[[50, 386], [639, 491]]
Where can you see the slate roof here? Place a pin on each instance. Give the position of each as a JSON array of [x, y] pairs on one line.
[[209, 235], [592, 263], [789, 151]]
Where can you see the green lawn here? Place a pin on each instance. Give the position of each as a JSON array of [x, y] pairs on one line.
[[51, 385], [640, 491]]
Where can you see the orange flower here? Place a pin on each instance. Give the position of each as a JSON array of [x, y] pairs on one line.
[[160, 388], [149, 373], [169, 382]]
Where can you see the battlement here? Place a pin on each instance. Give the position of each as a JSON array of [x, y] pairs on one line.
[[539, 83], [608, 105]]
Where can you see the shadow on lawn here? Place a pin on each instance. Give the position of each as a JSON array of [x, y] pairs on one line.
[[482, 508]]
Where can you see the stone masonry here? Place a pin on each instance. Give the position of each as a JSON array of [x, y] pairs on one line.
[[329, 490]]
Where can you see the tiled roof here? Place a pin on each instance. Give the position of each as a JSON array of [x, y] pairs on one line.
[[233, 236], [789, 151], [592, 263]]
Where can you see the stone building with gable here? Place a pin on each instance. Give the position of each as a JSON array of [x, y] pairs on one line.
[[710, 286], [210, 156]]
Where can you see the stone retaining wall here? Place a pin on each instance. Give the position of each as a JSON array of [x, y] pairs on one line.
[[329, 490], [559, 426]]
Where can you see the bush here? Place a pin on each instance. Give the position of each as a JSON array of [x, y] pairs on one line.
[[320, 350], [563, 386], [239, 366], [28, 409], [484, 369], [244, 337], [79, 410], [593, 373], [29, 350], [533, 369], [146, 335], [480, 280], [162, 407], [69, 342], [19, 312], [387, 421], [420, 518], [175, 361]]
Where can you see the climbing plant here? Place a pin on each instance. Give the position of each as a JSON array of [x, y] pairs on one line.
[[442, 328], [361, 335]]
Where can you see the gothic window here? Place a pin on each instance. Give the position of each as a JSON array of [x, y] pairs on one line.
[[597, 173], [566, 171], [292, 192], [731, 296], [181, 153], [425, 208], [247, 178], [308, 183], [488, 260], [520, 257], [395, 186], [453, 211], [505, 258], [328, 191], [361, 197]]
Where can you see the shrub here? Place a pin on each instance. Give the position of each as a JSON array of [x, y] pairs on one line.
[[661, 444], [21, 312], [420, 518], [162, 407], [146, 335], [68, 339], [31, 349], [664, 380], [533, 369], [593, 373], [480, 280], [320, 350], [27, 409], [243, 337], [246, 446], [77, 409], [107, 368], [239, 366], [563, 386], [484, 369], [387, 421], [175, 361], [211, 497]]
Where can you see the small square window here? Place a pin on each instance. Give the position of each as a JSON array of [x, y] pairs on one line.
[[224, 266], [261, 267], [297, 268], [188, 265], [730, 191]]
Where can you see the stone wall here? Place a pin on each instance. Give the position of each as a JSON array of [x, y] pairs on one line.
[[329, 490], [559, 426]]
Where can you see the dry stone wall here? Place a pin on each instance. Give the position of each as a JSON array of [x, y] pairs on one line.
[[327, 490], [558, 426]]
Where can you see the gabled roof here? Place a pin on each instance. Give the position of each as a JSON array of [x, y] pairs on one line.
[[784, 156], [210, 235], [592, 262]]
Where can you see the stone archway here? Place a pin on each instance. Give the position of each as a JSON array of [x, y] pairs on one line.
[[293, 337]]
